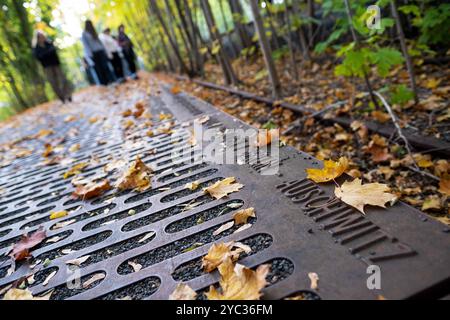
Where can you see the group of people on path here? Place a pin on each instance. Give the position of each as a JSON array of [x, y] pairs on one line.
[[105, 59]]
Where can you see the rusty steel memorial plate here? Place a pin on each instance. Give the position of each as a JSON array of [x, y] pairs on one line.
[[298, 229]]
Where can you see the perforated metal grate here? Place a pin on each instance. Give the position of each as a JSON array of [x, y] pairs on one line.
[[171, 227]]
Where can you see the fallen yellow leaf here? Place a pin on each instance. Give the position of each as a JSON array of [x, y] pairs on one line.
[[57, 215], [432, 202], [223, 187], [136, 177], [330, 171], [241, 216], [238, 282], [218, 253], [76, 169]]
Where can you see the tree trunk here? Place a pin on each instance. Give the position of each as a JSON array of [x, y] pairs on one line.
[[401, 36], [265, 47], [290, 45], [301, 33], [311, 14], [230, 76], [173, 44], [237, 10]]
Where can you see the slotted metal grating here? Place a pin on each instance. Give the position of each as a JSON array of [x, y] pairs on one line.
[[171, 227]]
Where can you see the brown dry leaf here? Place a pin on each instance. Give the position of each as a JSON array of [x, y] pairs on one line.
[[444, 186], [432, 202], [48, 151], [239, 283], [21, 249], [92, 189], [175, 90], [265, 137], [330, 171], [58, 214], [63, 224], [49, 277], [79, 261], [138, 177], [380, 116], [387, 172], [44, 132], [69, 118], [127, 113], [314, 280], [360, 129], [183, 292], [223, 228], [76, 169], [379, 154], [223, 188], [23, 294], [219, 252], [358, 195], [241, 216], [93, 279]]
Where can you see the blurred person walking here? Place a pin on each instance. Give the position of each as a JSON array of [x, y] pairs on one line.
[[45, 52], [95, 50], [113, 52], [127, 50]]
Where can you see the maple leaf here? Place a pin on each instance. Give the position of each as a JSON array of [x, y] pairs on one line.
[[183, 292], [76, 169], [21, 250], [218, 253], [331, 170], [136, 177], [241, 216], [91, 189], [358, 195], [223, 187], [23, 294], [238, 282]]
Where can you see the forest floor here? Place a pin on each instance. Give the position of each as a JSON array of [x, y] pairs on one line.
[[373, 158]]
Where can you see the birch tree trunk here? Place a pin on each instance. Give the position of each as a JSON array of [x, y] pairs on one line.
[[401, 36]]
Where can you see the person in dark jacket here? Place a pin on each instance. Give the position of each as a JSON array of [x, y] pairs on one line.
[[95, 51], [113, 51], [45, 52], [127, 49]]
